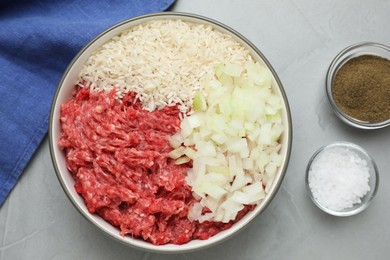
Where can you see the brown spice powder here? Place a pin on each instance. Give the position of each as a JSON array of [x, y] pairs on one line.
[[361, 88]]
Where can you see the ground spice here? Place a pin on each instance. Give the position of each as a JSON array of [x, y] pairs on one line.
[[362, 88]]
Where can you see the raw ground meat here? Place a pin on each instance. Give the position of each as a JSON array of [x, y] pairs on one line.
[[118, 155]]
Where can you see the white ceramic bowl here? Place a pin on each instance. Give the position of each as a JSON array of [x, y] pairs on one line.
[[64, 94]]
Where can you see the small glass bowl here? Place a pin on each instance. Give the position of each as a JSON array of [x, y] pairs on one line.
[[353, 51], [373, 180]]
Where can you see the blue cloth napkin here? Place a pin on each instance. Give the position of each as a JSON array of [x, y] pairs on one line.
[[37, 41]]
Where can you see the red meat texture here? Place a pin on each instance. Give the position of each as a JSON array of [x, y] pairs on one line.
[[118, 156]]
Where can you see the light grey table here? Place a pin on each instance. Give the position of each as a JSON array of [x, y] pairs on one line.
[[300, 38]]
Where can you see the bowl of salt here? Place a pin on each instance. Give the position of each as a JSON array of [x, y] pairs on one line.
[[342, 179]]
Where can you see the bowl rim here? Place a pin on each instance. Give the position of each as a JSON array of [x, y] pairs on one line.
[[333, 68], [370, 161], [173, 15]]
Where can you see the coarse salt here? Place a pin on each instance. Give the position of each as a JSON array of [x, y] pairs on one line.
[[338, 178]]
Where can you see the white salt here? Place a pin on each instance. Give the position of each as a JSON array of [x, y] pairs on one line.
[[339, 178]]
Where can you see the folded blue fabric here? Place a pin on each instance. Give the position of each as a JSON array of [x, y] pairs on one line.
[[37, 41]]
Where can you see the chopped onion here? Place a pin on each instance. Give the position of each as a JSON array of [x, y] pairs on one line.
[[219, 138], [232, 138], [193, 121], [182, 160], [176, 140], [240, 181], [213, 190], [233, 70], [189, 152], [206, 149], [177, 153], [231, 208], [248, 198], [195, 212], [199, 102], [186, 128]]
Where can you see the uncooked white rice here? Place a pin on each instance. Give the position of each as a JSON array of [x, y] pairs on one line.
[[163, 61]]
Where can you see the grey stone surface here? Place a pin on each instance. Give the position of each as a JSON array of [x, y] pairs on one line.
[[300, 38]]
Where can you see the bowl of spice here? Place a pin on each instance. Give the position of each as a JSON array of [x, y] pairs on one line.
[[358, 85], [342, 179]]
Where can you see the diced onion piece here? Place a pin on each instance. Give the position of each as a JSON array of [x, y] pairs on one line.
[[219, 215], [270, 110], [236, 145], [177, 153], [232, 165], [245, 198], [211, 203], [237, 125], [206, 149], [196, 196], [276, 118], [176, 140], [199, 169], [206, 217], [275, 101], [211, 189], [189, 152], [190, 178], [205, 133], [195, 212], [233, 70], [217, 178], [193, 121], [199, 102], [276, 158], [186, 128], [248, 163], [260, 75], [270, 169], [182, 160], [276, 132], [216, 123], [219, 169], [253, 188], [240, 181], [225, 105], [219, 70], [265, 134], [211, 161], [219, 138], [231, 209], [269, 184]]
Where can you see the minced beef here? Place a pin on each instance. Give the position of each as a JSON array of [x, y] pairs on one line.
[[118, 155]]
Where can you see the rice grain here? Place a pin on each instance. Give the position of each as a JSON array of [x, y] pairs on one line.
[[163, 61]]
